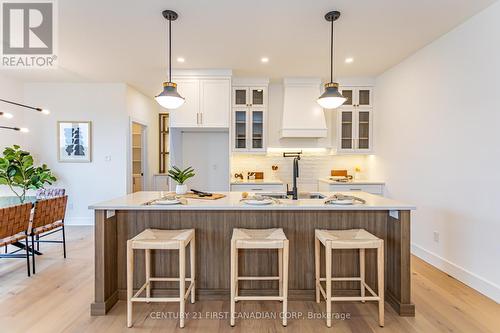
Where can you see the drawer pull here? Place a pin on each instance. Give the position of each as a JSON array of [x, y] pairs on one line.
[[256, 189], [355, 189]]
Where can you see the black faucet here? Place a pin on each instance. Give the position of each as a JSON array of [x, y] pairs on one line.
[[296, 157]]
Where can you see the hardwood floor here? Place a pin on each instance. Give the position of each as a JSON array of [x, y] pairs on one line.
[[58, 297]]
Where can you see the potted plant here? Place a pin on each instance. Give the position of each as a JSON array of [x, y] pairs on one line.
[[17, 170], [180, 176]]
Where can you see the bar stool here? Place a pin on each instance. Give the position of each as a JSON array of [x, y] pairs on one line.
[[349, 239], [260, 239], [155, 239]]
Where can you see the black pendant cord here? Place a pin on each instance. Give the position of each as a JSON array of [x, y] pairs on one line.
[[10, 128], [169, 50], [331, 55], [22, 105]]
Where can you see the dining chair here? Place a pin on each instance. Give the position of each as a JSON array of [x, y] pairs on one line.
[[47, 193], [14, 225], [48, 218]]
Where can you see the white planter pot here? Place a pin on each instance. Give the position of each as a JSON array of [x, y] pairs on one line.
[[181, 189]]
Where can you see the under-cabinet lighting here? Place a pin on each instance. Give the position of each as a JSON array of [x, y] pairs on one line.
[[304, 150]]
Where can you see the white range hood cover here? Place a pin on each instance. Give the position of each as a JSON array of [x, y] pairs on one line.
[[302, 115]]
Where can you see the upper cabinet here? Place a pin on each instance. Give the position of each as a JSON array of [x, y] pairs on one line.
[[249, 96], [188, 114], [357, 97], [249, 117], [355, 121], [208, 103]]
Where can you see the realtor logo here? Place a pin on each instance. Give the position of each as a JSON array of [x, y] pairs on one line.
[[28, 34]]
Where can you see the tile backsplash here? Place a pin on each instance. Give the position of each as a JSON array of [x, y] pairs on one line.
[[312, 166]]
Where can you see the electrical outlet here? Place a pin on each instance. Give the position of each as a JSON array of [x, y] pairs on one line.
[[107, 158], [436, 236]]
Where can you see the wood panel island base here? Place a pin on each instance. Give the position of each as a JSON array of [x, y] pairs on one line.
[[118, 220]]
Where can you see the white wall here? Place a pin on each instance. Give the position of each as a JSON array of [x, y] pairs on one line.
[[208, 154], [438, 147], [11, 90], [105, 106], [144, 110]]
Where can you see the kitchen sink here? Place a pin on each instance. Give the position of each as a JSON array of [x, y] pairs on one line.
[[303, 195]]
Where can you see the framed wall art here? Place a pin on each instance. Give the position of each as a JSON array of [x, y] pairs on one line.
[[74, 141]]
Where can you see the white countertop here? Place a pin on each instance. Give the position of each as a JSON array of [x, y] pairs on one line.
[[256, 182], [353, 182], [136, 201]]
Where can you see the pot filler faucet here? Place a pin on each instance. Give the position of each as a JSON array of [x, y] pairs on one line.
[[296, 157]]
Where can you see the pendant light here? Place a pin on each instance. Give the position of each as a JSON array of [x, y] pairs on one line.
[[331, 98], [169, 98]]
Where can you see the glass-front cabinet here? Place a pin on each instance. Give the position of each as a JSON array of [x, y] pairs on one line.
[[355, 131], [357, 97], [355, 121], [240, 129], [257, 131], [249, 119]]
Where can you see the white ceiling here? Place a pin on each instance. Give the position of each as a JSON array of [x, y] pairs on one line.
[[124, 40]]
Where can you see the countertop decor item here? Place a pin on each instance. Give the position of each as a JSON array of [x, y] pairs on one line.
[[180, 176], [74, 141], [169, 98], [17, 170], [258, 200], [331, 98], [341, 199]]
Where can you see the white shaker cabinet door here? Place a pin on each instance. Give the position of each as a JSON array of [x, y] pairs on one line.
[[188, 114], [215, 102]]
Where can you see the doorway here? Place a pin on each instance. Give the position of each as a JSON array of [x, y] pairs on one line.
[[138, 157]]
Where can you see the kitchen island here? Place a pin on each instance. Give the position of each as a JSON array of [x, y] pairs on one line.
[[120, 219]]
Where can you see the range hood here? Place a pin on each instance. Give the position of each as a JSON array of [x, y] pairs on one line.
[[302, 116]]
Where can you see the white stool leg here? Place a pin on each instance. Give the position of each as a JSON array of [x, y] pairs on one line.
[[148, 272], [182, 282], [328, 277], [362, 271], [234, 277], [317, 266], [280, 272], [130, 281], [236, 282], [285, 281], [192, 262], [380, 278]]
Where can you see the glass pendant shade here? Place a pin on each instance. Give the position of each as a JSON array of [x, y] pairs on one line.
[[331, 98], [169, 97]]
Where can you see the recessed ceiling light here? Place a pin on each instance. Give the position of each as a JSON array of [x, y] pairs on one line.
[[180, 59], [349, 60], [264, 59], [24, 130]]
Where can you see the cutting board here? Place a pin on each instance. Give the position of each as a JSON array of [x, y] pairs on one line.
[[214, 196], [338, 173]]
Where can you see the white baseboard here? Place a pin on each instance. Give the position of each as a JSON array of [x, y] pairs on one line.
[[473, 280], [79, 221]]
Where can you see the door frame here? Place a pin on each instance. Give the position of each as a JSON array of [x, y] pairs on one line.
[[144, 153]]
